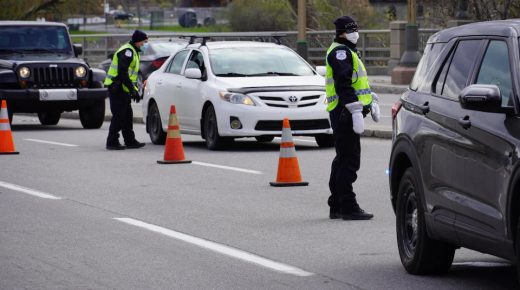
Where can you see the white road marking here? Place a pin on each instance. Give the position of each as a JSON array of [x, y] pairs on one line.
[[50, 142], [27, 190], [227, 167], [219, 248]]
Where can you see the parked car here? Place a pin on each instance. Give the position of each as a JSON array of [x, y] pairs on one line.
[[226, 90], [40, 72], [121, 15], [454, 166], [152, 59]]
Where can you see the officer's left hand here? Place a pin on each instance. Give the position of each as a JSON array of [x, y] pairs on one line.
[[375, 112], [134, 95]]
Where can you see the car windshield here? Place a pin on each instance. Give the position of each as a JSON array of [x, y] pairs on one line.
[[257, 61], [34, 39], [166, 48]]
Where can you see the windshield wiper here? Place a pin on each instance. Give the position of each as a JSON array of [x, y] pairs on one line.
[[232, 74], [273, 73], [41, 50], [10, 50]]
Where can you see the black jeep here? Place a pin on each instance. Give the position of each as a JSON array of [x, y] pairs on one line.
[[40, 73]]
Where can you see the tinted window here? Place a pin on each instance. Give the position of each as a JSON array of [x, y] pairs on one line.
[[460, 68], [177, 62], [196, 60], [495, 69], [35, 39]]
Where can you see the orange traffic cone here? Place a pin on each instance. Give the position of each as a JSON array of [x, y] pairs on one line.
[[288, 168], [6, 138], [173, 150]]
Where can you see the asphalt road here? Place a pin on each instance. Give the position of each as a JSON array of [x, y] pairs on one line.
[[75, 216]]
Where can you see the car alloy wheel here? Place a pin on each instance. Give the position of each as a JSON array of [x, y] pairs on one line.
[[213, 140], [418, 252]]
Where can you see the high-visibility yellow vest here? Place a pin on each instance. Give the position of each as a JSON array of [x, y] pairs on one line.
[[133, 68], [359, 80]]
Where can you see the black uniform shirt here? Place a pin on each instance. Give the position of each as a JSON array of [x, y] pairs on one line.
[[340, 59], [124, 59]]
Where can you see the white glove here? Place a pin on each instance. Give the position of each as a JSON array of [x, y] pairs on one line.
[[355, 109], [374, 108]]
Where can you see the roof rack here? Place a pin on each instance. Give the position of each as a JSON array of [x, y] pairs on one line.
[[261, 38]]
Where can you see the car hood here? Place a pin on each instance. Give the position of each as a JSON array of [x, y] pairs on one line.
[[250, 84]]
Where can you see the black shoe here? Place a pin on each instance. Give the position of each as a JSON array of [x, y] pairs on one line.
[[115, 147], [356, 214], [334, 213], [134, 145]]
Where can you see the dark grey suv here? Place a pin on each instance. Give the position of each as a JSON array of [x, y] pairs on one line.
[[454, 166]]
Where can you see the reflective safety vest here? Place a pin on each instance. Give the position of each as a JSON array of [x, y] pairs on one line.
[[133, 68], [359, 80]]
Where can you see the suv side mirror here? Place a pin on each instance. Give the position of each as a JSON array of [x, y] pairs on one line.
[[78, 49], [193, 73], [484, 98]]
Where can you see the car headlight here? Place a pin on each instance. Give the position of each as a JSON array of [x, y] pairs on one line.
[[24, 72], [235, 98], [80, 72]]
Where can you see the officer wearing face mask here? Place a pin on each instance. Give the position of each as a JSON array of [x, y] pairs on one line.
[[349, 100], [121, 81]]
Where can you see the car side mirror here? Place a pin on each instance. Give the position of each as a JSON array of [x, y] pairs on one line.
[[484, 98], [193, 73], [321, 70], [78, 49]]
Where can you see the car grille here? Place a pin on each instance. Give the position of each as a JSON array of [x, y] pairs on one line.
[[295, 125], [280, 102], [53, 76]]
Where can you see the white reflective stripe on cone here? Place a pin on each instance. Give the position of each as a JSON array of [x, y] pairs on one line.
[[287, 152], [5, 127], [3, 114]]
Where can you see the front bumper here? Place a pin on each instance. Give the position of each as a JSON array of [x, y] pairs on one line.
[[257, 121], [50, 95]]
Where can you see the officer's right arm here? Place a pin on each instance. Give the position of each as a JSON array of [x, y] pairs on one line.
[[124, 61], [340, 59]]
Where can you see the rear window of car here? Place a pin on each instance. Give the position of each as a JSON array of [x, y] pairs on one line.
[[258, 61]]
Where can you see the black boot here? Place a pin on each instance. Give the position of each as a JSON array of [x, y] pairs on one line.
[[134, 145], [355, 213], [115, 146], [334, 213]]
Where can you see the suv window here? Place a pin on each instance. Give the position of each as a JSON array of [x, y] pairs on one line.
[[495, 69], [177, 62], [454, 78], [430, 55]]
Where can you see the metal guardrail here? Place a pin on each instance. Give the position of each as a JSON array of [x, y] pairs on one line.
[[374, 45]]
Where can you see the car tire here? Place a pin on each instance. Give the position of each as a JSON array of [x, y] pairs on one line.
[[49, 117], [154, 125], [264, 138], [213, 140], [325, 140], [93, 116], [419, 253]]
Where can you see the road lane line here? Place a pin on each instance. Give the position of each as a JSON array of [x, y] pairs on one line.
[[227, 167], [219, 248], [53, 143], [27, 190]]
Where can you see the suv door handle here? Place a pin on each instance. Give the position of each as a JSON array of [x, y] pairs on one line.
[[465, 122], [425, 108]]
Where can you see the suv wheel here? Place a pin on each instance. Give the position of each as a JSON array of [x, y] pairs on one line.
[[49, 117], [213, 140], [325, 140], [92, 117], [154, 124], [419, 254]]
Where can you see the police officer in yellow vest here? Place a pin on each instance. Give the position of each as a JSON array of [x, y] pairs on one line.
[[122, 86], [349, 100]]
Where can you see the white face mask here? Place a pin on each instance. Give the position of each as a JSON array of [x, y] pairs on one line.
[[353, 37]]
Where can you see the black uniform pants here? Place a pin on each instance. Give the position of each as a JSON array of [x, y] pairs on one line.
[[122, 118], [346, 163]]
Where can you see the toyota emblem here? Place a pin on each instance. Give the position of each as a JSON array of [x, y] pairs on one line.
[[293, 99]]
